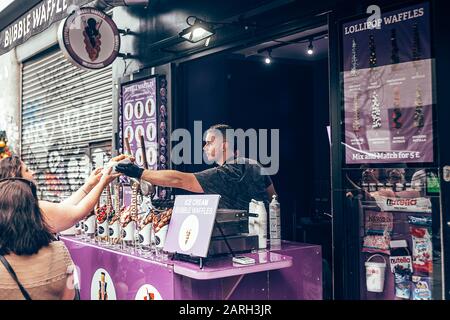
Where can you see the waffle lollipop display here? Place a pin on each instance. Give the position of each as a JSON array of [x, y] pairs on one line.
[[145, 230], [128, 220], [160, 225], [114, 223], [103, 213]]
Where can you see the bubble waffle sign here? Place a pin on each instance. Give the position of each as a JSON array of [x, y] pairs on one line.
[[191, 225], [36, 20], [89, 39]]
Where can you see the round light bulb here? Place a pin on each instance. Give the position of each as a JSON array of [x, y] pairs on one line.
[[267, 60]]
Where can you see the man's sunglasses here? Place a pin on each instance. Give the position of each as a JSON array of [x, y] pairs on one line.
[[28, 182]]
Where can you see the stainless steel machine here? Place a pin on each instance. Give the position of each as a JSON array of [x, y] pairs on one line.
[[231, 233]]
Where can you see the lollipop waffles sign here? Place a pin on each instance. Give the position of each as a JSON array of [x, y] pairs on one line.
[[89, 39]]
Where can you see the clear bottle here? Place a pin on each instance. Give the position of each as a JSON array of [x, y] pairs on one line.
[[262, 225], [274, 223], [257, 222]]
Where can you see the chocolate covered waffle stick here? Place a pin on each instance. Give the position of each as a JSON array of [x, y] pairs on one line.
[[161, 220]]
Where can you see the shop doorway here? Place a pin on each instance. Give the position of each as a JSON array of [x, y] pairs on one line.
[[290, 93]]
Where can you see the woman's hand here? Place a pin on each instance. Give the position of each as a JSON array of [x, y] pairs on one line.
[[94, 178], [121, 157], [108, 176]]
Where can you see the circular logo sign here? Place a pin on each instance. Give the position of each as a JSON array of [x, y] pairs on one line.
[[102, 286], [148, 292], [89, 39]]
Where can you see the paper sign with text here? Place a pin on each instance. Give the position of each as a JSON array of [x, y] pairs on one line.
[[191, 225]]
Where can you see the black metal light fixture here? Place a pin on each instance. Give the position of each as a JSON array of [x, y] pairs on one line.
[[198, 31], [310, 50], [268, 59]]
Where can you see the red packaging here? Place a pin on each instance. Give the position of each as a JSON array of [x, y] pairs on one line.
[[422, 250]]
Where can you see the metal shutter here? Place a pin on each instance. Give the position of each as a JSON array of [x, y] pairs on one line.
[[64, 109]]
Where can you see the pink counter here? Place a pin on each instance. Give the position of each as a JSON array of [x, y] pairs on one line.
[[294, 272]]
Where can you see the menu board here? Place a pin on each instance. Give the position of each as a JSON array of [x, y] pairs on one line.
[[140, 119], [143, 112], [388, 88]]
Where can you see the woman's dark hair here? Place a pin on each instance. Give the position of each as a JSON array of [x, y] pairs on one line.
[[23, 230], [10, 167]]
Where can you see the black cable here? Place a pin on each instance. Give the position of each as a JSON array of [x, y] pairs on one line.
[[187, 20]]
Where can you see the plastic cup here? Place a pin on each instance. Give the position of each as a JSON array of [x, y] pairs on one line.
[[114, 234], [128, 236], [89, 228]]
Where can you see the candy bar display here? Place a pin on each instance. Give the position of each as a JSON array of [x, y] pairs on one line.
[[396, 224]]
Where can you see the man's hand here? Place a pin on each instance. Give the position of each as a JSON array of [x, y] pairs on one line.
[[130, 169]]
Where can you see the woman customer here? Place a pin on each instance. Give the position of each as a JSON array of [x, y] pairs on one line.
[[33, 265], [63, 215]]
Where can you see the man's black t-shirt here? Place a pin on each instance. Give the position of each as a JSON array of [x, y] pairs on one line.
[[237, 181]]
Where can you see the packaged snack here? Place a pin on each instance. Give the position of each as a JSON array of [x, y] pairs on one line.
[[378, 223], [420, 221], [422, 244], [400, 256], [378, 229], [402, 282], [421, 288], [377, 243]]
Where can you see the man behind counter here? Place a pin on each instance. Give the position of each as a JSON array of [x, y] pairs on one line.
[[236, 180]]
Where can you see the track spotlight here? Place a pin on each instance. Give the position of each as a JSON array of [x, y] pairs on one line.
[[268, 59], [310, 50]]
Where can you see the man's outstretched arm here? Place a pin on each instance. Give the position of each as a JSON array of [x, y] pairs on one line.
[[163, 178], [174, 179]]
